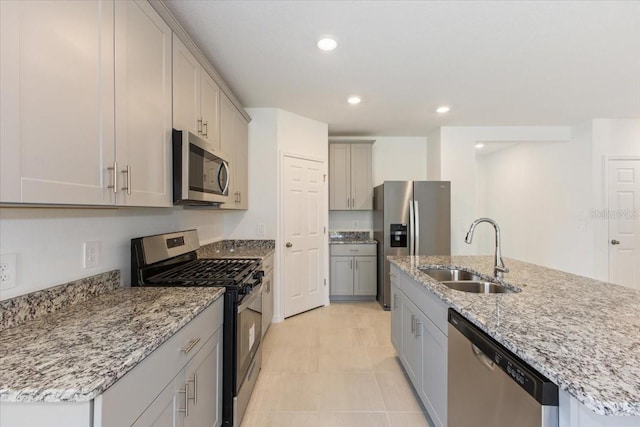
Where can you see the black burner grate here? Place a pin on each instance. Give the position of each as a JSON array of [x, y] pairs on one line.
[[211, 272]]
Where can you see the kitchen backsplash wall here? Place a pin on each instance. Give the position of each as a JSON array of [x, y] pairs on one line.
[[48, 242]]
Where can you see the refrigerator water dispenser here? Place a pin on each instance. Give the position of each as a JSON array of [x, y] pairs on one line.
[[398, 235]]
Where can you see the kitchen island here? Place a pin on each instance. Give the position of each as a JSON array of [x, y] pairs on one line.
[[583, 334]]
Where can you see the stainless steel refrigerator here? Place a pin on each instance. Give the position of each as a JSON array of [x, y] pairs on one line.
[[410, 218]]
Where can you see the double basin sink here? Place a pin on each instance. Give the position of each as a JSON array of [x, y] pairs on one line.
[[465, 281]]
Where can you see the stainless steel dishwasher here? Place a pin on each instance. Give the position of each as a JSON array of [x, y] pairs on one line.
[[490, 386]]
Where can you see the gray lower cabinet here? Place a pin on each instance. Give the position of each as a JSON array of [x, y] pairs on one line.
[[179, 384], [267, 293], [418, 333], [353, 271]]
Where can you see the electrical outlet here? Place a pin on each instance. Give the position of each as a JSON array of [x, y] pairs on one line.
[[91, 254], [260, 229], [7, 271]]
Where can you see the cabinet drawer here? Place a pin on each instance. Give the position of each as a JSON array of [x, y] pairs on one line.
[[132, 393], [353, 250]]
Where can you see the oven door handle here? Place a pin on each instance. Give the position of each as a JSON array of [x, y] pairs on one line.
[[255, 293]]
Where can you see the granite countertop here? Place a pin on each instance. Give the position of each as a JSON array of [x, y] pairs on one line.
[[74, 354], [583, 334], [350, 238], [238, 249]]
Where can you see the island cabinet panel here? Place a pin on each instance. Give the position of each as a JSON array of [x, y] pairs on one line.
[[396, 314], [418, 325]]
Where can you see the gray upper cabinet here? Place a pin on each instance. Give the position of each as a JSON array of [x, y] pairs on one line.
[[86, 109], [196, 97], [351, 176]]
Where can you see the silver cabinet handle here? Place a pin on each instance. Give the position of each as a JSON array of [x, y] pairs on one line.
[[351, 265], [353, 203], [194, 380], [348, 202], [200, 125], [356, 264], [185, 410], [191, 345], [205, 129], [114, 169], [288, 244], [413, 324], [615, 242], [127, 172], [418, 325]]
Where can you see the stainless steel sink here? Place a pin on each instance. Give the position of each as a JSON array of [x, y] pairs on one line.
[[466, 281], [478, 287], [447, 275]]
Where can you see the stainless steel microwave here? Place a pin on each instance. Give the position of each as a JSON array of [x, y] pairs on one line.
[[200, 171]]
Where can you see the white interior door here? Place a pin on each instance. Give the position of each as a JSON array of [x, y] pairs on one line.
[[624, 222], [302, 213]]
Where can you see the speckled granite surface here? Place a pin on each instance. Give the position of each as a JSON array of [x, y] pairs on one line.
[[350, 238], [238, 249], [581, 333], [20, 309], [76, 353]]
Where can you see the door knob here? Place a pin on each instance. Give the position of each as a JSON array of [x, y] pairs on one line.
[[288, 244], [615, 242]]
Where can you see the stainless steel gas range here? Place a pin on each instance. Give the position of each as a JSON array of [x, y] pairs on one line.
[[171, 260]]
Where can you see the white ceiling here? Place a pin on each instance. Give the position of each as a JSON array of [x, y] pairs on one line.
[[495, 63]]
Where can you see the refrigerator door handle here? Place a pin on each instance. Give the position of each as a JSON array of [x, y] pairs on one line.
[[416, 212], [411, 228]]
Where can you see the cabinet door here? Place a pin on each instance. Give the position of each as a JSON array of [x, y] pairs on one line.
[[163, 411], [241, 158], [209, 109], [412, 333], [341, 275], [228, 146], [361, 177], [396, 316], [364, 282], [143, 105], [267, 301], [203, 377], [434, 373], [56, 109], [186, 89], [339, 176]]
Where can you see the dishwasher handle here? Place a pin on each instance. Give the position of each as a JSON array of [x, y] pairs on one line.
[[534, 383]]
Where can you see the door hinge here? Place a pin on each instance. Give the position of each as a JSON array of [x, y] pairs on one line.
[[325, 282]]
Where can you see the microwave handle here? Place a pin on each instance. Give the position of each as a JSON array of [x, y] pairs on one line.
[[226, 184]]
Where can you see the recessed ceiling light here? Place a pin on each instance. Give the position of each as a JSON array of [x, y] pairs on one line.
[[327, 44], [443, 109], [479, 145], [354, 100]]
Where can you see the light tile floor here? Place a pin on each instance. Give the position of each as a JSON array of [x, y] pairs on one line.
[[333, 366]]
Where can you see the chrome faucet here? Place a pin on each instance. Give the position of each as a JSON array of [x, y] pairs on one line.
[[499, 268]]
